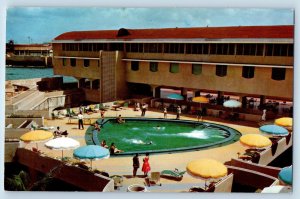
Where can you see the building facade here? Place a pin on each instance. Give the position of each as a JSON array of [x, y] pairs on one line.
[[246, 61]]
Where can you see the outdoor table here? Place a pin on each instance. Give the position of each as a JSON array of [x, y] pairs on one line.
[[115, 106]]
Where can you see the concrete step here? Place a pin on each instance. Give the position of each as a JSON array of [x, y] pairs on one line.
[[30, 101]]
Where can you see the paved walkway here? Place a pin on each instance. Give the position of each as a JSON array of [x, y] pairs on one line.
[[158, 162]]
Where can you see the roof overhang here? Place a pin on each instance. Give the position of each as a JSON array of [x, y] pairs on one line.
[[200, 40]]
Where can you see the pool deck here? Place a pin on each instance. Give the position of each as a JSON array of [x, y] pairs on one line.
[[123, 165]]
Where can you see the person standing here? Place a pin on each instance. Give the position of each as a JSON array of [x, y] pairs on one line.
[[102, 114], [146, 165], [178, 113], [143, 109], [136, 164], [165, 112], [263, 117], [80, 120]]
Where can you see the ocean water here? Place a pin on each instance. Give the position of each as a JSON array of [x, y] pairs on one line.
[[30, 73]]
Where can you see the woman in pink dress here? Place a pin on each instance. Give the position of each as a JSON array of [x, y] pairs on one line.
[[146, 166]]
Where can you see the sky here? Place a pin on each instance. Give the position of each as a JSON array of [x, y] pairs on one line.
[[42, 24]]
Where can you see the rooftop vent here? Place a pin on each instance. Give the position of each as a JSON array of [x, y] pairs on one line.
[[123, 32]]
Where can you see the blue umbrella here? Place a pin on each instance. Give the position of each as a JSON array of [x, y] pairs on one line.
[[286, 175], [175, 96], [91, 152], [274, 130]]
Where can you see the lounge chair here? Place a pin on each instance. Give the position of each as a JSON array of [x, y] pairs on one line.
[[118, 181], [154, 179], [125, 105], [96, 108], [70, 112], [172, 174]]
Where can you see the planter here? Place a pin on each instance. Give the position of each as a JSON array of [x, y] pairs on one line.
[[136, 188]]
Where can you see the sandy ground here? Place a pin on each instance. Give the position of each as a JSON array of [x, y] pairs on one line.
[[123, 165]]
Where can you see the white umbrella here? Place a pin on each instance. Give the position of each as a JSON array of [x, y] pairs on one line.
[[62, 143], [277, 189], [232, 104]]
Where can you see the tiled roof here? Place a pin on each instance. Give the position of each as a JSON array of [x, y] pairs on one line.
[[251, 32]]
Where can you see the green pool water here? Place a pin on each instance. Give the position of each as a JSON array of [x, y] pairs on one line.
[[157, 135]]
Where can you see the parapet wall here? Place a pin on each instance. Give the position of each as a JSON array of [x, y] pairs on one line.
[[84, 179]]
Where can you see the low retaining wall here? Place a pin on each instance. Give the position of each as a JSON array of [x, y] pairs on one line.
[[225, 185], [251, 178], [272, 171], [78, 177], [266, 156]]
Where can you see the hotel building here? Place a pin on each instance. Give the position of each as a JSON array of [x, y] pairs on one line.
[[246, 61]]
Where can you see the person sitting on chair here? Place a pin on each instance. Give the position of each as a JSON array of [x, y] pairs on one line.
[[119, 120], [59, 133]]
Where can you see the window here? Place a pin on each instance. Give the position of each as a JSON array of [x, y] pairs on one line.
[[86, 62], [135, 65], [278, 73], [231, 49], [221, 70], [239, 49], [290, 50], [269, 50], [174, 68], [73, 62], [63, 47], [259, 49], [212, 49], [248, 71], [64, 60], [153, 66], [196, 69]]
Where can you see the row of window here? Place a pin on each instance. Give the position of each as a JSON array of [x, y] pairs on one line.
[[86, 62], [221, 70], [211, 49]]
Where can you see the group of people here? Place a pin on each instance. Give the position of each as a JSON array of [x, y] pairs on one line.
[[136, 164], [112, 149], [178, 112]]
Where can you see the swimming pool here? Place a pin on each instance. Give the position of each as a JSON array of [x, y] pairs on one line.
[[141, 135]]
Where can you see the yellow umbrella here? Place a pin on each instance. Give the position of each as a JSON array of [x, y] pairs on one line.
[[255, 141], [285, 122], [200, 99], [36, 136], [206, 169]]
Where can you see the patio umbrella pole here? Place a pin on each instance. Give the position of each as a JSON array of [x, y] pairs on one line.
[[36, 144], [62, 154], [91, 164]]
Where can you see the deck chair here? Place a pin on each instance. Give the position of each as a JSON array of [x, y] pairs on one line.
[[70, 112], [154, 179], [96, 108], [118, 181], [125, 105], [172, 174]]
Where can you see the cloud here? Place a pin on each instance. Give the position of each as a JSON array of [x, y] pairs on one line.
[[44, 24]]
